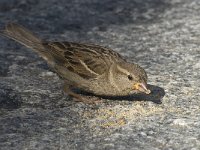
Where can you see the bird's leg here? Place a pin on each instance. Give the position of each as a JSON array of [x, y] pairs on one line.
[[67, 89], [76, 97]]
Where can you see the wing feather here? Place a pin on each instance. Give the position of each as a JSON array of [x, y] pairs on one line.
[[86, 60]]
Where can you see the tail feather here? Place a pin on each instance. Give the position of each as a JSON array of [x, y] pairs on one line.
[[21, 35], [25, 37]]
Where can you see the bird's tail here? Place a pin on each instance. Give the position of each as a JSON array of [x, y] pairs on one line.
[[25, 37], [21, 35]]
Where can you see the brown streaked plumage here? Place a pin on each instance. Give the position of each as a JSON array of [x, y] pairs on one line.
[[89, 67]]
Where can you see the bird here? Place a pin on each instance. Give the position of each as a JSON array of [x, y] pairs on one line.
[[88, 67]]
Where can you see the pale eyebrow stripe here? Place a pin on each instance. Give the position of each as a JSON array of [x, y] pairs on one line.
[[123, 70]]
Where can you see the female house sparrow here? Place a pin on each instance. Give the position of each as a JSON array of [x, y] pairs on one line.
[[89, 67]]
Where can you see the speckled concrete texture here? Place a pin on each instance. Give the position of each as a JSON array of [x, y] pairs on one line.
[[161, 36]]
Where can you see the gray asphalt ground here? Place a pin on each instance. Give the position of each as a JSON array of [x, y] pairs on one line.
[[161, 36]]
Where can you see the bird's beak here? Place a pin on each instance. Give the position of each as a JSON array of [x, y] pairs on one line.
[[141, 87]]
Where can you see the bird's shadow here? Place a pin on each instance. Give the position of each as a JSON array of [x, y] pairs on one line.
[[156, 95]]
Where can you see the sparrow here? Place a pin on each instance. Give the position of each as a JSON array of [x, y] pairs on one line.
[[88, 67]]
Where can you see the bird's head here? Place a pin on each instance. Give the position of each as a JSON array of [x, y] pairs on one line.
[[131, 78]]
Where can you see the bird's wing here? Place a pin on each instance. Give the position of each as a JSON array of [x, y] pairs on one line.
[[86, 60]]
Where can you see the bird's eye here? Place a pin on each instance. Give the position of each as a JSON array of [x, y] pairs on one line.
[[130, 77]]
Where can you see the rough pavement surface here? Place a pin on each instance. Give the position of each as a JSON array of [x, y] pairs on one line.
[[161, 36]]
